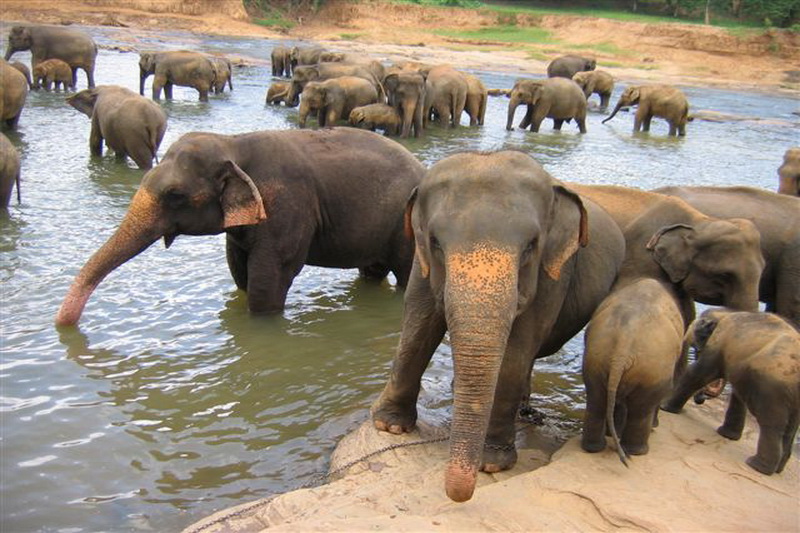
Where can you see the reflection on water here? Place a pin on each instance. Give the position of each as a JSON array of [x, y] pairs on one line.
[[170, 401]]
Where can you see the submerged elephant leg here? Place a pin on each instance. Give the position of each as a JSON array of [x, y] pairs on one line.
[[376, 272], [735, 416], [269, 277], [557, 123]]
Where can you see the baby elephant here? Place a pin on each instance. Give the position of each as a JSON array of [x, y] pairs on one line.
[[278, 92], [759, 354], [52, 72], [131, 124], [380, 116]]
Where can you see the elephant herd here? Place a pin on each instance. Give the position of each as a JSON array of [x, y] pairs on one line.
[[489, 247]]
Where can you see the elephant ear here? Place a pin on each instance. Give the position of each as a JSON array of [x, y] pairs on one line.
[[84, 101], [408, 227], [633, 93], [242, 204], [673, 250], [569, 230]]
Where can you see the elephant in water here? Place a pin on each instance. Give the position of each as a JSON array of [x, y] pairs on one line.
[[662, 101], [9, 171], [567, 66], [182, 67], [13, 93], [52, 73], [789, 173], [557, 98], [331, 198]]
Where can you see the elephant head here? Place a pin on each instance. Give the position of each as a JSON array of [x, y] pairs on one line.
[[18, 39], [147, 66], [197, 189], [406, 93], [301, 75], [314, 98], [586, 81], [84, 101], [629, 97], [488, 228], [789, 173], [524, 92], [717, 262]]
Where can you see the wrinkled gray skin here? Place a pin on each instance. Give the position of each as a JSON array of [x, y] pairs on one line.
[[406, 93], [23, 69], [305, 55], [597, 82], [333, 100], [557, 98], [72, 46], [52, 73], [331, 198], [9, 171], [278, 92], [789, 173], [301, 75], [512, 264], [777, 218], [223, 73], [13, 93], [566, 66], [759, 354], [662, 101], [445, 95], [130, 124], [477, 96], [182, 67], [376, 116], [281, 57]]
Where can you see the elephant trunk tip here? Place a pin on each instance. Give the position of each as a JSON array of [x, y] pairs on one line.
[[460, 482]]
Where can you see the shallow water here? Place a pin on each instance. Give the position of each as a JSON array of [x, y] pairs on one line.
[[169, 401]]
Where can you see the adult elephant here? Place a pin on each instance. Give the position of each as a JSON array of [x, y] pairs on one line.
[[477, 96], [789, 173], [777, 217], [557, 98], [331, 198], [74, 47], [566, 66], [662, 101], [597, 82], [305, 55], [405, 91], [334, 99], [22, 67], [182, 67], [506, 263], [325, 71], [13, 93], [445, 95], [9, 171], [223, 73], [281, 57], [130, 124]]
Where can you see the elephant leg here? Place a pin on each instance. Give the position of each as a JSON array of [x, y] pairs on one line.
[[769, 452], [788, 440], [646, 122], [638, 425], [673, 129], [203, 94], [74, 76], [376, 272], [594, 421], [605, 99], [89, 78], [237, 262], [141, 155], [581, 124], [423, 328], [527, 119], [95, 138], [735, 416], [159, 83], [557, 123], [269, 277], [698, 375]]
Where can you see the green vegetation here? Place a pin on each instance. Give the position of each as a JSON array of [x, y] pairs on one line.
[[506, 34], [351, 36]]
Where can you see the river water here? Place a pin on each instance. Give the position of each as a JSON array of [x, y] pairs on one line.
[[169, 401]]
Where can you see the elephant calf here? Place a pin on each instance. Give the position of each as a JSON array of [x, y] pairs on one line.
[[789, 173], [278, 92], [374, 116], [335, 98], [759, 353], [9, 171], [662, 101], [597, 82], [131, 124], [52, 72], [557, 98]]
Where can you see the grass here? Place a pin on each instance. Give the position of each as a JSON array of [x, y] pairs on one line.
[[505, 34], [603, 48], [351, 36], [276, 22]]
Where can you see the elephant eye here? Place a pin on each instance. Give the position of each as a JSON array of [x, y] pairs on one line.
[[526, 253], [174, 197], [434, 243]]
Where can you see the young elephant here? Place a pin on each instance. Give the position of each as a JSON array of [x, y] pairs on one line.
[[278, 92], [181, 67], [662, 101], [24, 69], [759, 353], [131, 124], [9, 171], [335, 98], [477, 96], [597, 82], [13, 93], [223, 73], [789, 173], [374, 116], [566, 66], [557, 98], [53, 72]]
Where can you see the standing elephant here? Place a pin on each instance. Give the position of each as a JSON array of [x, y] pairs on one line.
[[597, 82], [372, 116], [184, 68], [281, 57], [777, 217], [789, 173], [566, 66], [130, 124], [662, 101], [52, 73], [13, 93], [557, 98], [9, 171], [24, 69], [477, 96], [504, 262], [72, 46], [334, 99], [759, 353], [445, 95], [223, 73], [305, 55], [331, 198], [405, 91], [301, 75]]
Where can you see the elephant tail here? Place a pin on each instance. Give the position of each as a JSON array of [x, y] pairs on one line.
[[152, 142], [614, 378], [19, 191]]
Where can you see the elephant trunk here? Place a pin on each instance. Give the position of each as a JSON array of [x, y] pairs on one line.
[[9, 53], [138, 230], [512, 107], [409, 119], [614, 112]]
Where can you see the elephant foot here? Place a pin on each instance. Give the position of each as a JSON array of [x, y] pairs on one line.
[[636, 449], [593, 445], [497, 458], [729, 433], [530, 414], [758, 464], [393, 418], [672, 407]]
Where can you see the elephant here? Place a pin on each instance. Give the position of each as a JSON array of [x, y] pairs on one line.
[[24, 69], [305, 55], [662, 101], [223, 73], [74, 47], [597, 82], [281, 57], [789, 173], [9, 171], [557, 98], [632, 349], [759, 354], [301, 75], [333, 100], [777, 217], [130, 124], [445, 95], [372, 116], [278, 92], [13, 93], [477, 96], [52, 72], [566, 66], [405, 91], [330, 198], [182, 67], [504, 262]]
